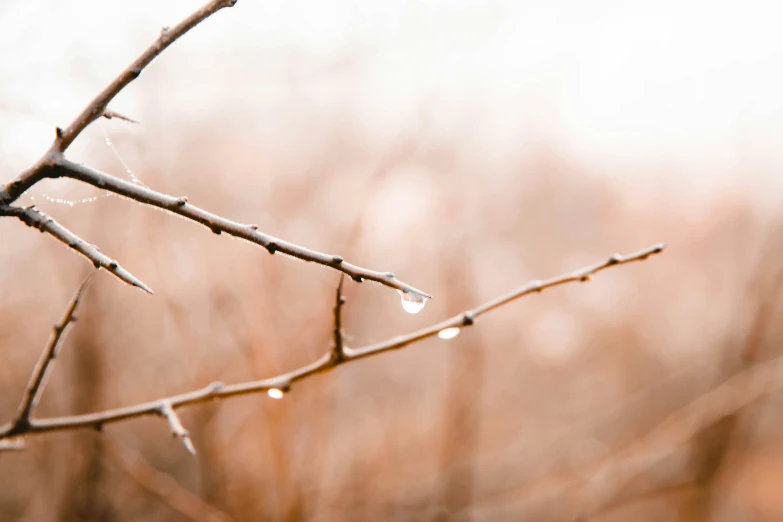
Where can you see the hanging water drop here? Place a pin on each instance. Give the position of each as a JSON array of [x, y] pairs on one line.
[[275, 393], [412, 303], [449, 333]]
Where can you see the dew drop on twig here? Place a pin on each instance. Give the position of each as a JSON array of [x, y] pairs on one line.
[[449, 333], [275, 393], [412, 303]]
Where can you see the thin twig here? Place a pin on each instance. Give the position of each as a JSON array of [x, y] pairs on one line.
[[53, 164], [98, 106], [283, 382], [33, 217], [218, 224], [37, 382], [338, 350], [177, 429]]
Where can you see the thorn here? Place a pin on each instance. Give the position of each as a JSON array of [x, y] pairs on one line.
[[177, 429], [109, 114], [337, 260], [139, 284], [59, 132]]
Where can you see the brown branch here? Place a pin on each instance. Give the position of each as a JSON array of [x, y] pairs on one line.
[[53, 164], [35, 386], [95, 109], [283, 382], [98, 106], [33, 217], [338, 350], [181, 207]]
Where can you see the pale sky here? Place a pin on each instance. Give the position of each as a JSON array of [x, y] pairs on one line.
[[624, 85]]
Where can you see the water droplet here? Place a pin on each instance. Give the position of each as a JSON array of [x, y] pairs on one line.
[[114, 150], [449, 333], [412, 303], [275, 393]]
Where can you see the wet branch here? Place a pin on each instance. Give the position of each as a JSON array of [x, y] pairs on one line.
[[217, 224], [99, 105], [53, 164], [328, 361]]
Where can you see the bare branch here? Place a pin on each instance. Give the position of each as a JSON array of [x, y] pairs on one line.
[[283, 382], [95, 109], [98, 106], [218, 225], [468, 317], [38, 379], [338, 350], [177, 429], [53, 164], [33, 217]]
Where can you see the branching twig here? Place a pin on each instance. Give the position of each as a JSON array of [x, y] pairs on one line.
[[97, 107], [53, 164], [325, 363], [35, 386], [218, 224]]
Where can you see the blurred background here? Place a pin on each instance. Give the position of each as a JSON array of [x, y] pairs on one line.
[[468, 146]]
